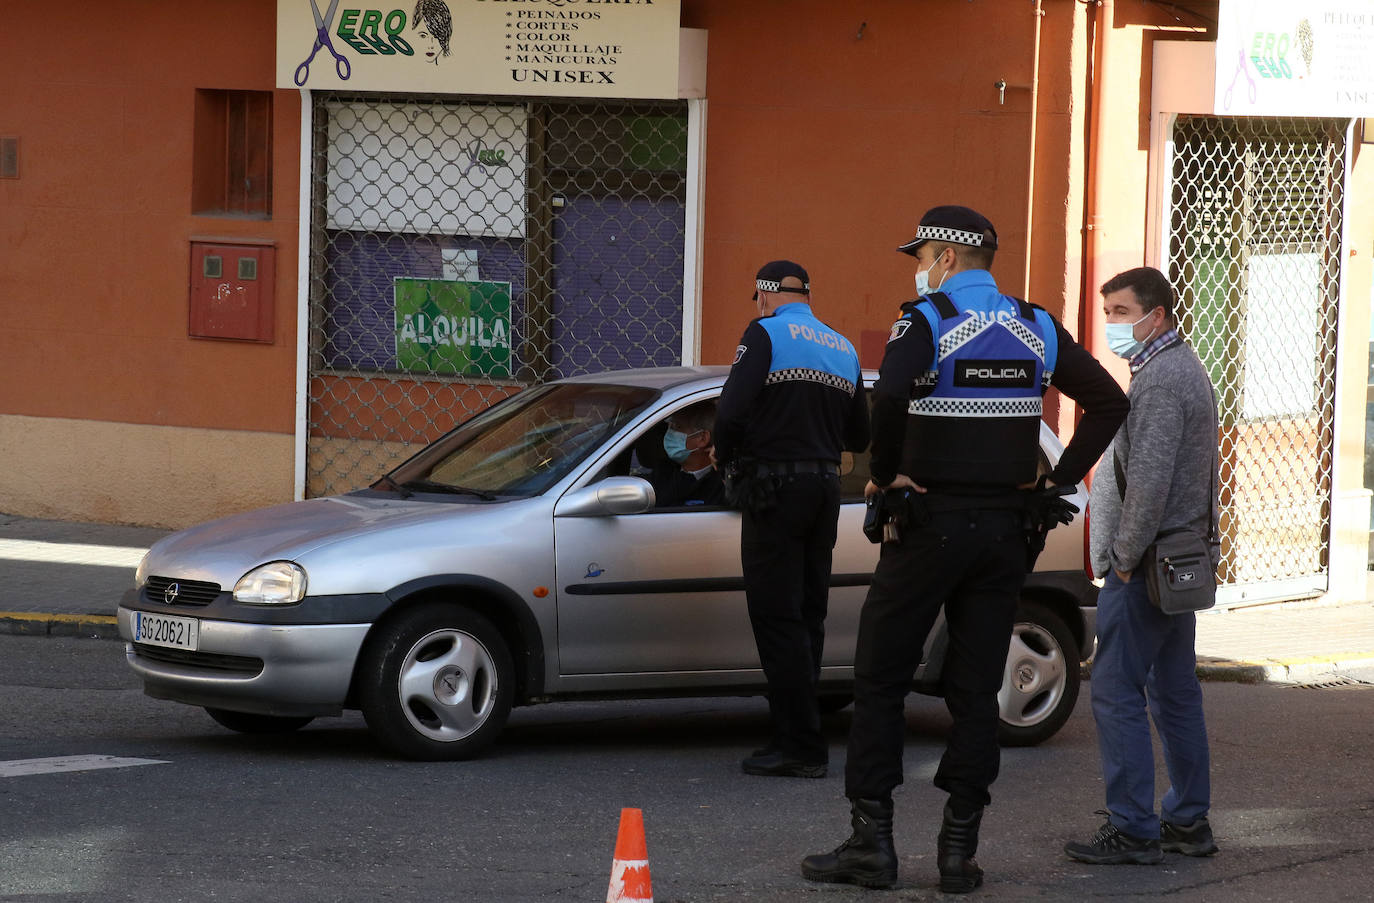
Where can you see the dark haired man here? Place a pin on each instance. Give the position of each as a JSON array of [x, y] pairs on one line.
[[793, 402], [1167, 454], [956, 423]]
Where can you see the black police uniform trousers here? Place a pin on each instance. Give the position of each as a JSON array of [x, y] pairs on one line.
[[972, 562], [785, 553]]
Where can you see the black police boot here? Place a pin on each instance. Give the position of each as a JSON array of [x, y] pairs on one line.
[[958, 841], [866, 858]]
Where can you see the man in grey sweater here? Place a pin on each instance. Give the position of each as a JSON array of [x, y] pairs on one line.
[[1167, 453]]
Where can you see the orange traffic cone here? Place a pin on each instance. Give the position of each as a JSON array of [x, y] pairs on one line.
[[630, 871]]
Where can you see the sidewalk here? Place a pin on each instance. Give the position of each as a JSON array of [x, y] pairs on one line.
[[66, 579]]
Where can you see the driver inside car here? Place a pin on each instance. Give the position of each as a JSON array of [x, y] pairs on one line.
[[680, 469]]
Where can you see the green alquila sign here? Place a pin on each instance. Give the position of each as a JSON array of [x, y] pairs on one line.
[[446, 326]]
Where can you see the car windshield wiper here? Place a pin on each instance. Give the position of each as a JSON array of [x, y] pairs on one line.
[[405, 493], [434, 486]]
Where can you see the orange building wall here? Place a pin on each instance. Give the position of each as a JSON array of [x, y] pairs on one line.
[[1120, 215], [832, 127], [94, 235]]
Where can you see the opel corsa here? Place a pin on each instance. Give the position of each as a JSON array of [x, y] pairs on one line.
[[521, 559]]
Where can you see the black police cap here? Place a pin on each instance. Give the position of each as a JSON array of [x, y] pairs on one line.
[[956, 225], [770, 276]]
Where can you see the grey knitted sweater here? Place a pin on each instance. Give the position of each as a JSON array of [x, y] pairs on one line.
[[1168, 451]]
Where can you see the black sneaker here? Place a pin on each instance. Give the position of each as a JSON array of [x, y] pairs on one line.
[[780, 765], [1109, 846], [1190, 840]]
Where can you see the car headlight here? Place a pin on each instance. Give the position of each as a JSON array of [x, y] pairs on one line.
[[276, 583], [141, 572]]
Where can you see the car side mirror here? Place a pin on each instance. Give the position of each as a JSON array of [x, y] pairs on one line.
[[613, 495]]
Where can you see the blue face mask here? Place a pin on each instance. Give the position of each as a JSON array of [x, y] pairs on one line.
[[923, 286], [675, 444], [1121, 338]]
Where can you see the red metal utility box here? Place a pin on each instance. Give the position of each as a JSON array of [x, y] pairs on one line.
[[231, 289]]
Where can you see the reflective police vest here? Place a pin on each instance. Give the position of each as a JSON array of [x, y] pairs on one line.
[[806, 349], [980, 403]]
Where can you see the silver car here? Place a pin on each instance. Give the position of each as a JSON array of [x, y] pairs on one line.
[[521, 559]]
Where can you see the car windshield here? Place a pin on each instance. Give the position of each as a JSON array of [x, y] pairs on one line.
[[523, 445]]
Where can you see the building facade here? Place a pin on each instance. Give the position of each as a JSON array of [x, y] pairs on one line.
[[232, 276]]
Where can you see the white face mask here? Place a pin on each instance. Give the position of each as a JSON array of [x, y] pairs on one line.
[[923, 286], [1121, 338]]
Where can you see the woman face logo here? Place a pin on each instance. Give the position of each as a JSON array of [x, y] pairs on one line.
[[428, 46], [433, 25]]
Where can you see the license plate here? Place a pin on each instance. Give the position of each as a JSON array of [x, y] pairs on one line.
[[166, 630]]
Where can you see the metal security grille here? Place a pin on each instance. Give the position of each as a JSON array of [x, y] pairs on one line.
[[1255, 226], [464, 248]]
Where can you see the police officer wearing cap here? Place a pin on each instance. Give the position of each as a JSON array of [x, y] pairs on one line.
[[793, 402], [956, 420]]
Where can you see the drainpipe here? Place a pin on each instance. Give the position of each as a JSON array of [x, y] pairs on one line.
[[1030, 178], [1092, 220]]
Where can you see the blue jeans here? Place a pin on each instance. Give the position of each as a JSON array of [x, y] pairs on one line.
[[1143, 654]]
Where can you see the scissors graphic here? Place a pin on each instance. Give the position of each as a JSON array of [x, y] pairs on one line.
[[1240, 70], [341, 64]]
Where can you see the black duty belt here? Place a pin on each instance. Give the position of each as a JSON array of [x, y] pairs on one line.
[[787, 468], [936, 501]]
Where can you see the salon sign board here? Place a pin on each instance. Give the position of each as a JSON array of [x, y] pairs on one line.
[[1280, 58], [540, 48], [453, 327]]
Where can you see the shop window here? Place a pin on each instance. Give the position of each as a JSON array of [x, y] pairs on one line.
[[232, 166], [469, 247]]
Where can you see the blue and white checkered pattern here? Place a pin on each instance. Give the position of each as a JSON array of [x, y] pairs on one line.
[[808, 375], [960, 335], [768, 285], [943, 233], [973, 327], [1027, 336], [975, 407]]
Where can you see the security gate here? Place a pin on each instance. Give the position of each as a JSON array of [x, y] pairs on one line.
[[1254, 252], [464, 248]]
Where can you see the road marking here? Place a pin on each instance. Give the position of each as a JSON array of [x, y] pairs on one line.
[[70, 553], [16, 768]]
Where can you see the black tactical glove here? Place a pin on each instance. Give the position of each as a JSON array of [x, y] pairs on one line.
[[1047, 507]]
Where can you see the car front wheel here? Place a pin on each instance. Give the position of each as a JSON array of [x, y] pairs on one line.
[[1040, 684], [436, 683]]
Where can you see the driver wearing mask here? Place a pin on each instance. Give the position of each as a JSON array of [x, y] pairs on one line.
[[688, 477]]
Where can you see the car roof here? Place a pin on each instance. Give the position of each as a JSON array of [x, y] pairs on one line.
[[664, 378], [656, 377]]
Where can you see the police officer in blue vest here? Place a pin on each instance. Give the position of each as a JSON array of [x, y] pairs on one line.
[[793, 402], [956, 421]]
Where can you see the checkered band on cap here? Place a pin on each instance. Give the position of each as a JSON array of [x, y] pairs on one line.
[[767, 285], [943, 233]]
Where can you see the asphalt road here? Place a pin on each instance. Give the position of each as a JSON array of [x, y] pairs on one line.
[[325, 815]]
